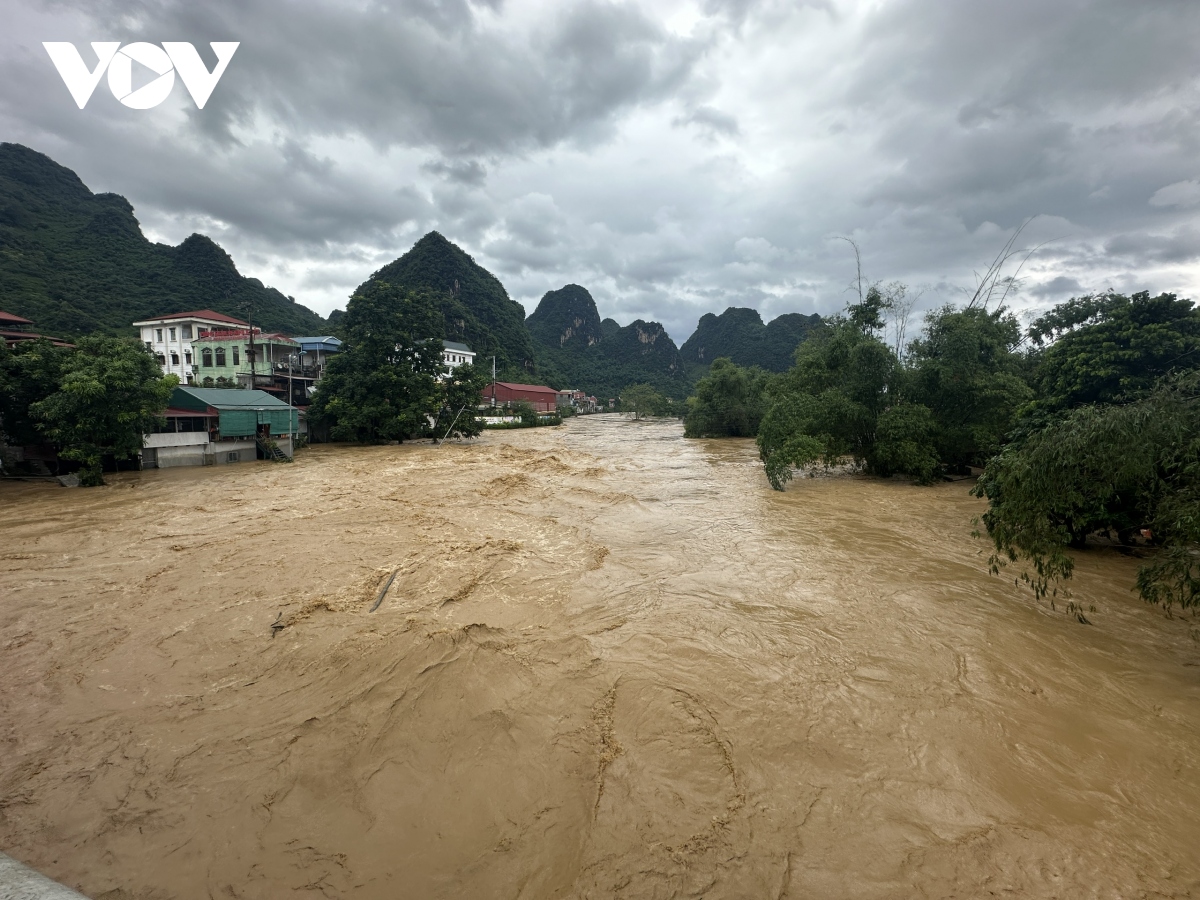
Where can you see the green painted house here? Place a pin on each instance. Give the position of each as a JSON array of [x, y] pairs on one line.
[[226, 355], [215, 426], [238, 413]]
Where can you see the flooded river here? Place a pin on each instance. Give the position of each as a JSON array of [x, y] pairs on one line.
[[611, 663]]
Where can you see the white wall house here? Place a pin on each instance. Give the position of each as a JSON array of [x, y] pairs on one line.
[[455, 354], [170, 338]]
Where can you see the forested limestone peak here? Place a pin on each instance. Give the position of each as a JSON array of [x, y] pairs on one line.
[[476, 308], [77, 262], [740, 335], [566, 318]]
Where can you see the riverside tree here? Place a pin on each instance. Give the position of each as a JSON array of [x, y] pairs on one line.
[[967, 370], [1131, 469], [1111, 444], [28, 373], [845, 398], [640, 400], [461, 390], [383, 386], [110, 393], [728, 402], [1104, 348]]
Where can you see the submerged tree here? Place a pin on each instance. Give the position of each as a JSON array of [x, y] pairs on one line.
[[641, 400], [383, 386], [844, 398], [1127, 469], [966, 368], [728, 402], [111, 392]]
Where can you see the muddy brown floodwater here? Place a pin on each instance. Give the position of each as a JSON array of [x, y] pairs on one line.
[[612, 663]]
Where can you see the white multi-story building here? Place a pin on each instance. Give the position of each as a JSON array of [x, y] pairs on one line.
[[455, 354], [170, 338]]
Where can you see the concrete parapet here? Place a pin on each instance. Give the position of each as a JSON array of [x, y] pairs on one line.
[[19, 882]]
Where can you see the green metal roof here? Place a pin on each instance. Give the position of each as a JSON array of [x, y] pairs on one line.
[[188, 397]]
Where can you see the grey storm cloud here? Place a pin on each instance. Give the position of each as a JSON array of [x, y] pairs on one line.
[[674, 156]]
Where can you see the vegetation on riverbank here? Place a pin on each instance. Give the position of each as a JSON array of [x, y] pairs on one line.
[[93, 400], [385, 385], [1086, 422]]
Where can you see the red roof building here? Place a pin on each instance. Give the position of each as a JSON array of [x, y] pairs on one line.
[[14, 329], [505, 393], [205, 314]]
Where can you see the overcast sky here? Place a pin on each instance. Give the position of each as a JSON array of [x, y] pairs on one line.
[[674, 157]]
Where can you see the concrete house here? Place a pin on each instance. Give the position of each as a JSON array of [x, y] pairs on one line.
[[455, 354], [226, 353], [214, 426], [170, 338]]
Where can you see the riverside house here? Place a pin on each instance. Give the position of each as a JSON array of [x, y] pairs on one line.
[[215, 426], [505, 393], [170, 338], [230, 354]]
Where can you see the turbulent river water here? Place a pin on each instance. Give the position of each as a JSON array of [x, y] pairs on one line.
[[611, 663]]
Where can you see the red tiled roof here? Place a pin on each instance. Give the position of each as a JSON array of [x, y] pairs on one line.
[[243, 334], [200, 314], [15, 320], [540, 388], [11, 338]]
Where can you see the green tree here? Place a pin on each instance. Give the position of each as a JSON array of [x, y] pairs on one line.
[[383, 386], [111, 392], [30, 372], [1118, 467], [966, 368], [462, 391], [830, 405], [525, 412], [640, 400], [1107, 347], [729, 402]]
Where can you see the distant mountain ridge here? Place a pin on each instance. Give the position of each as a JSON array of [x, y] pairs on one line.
[[739, 334], [576, 349], [76, 262]]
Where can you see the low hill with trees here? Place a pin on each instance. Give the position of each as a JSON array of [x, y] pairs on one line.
[[474, 304], [77, 263]]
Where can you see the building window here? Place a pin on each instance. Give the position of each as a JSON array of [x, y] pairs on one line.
[[147, 345], [174, 359], [162, 360], [158, 335], [206, 358], [172, 334], [187, 357], [220, 356], [236, 360], [187, 332]]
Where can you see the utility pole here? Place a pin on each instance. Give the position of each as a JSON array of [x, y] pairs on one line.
[[493, 382], [249, 307]]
